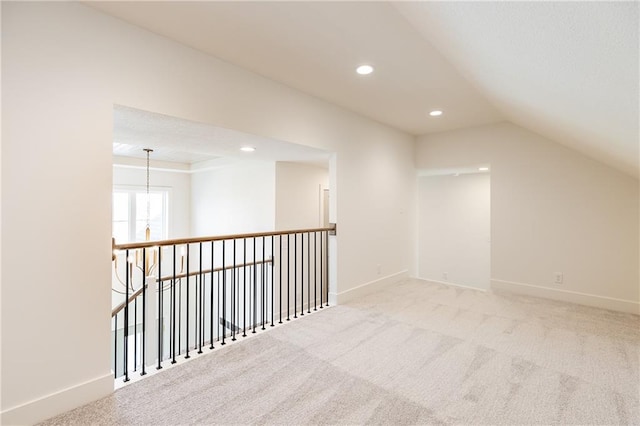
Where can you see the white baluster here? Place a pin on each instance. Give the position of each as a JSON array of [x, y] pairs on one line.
[[151, 322]]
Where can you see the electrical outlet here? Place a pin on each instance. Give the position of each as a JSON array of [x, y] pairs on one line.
[[445, 275], [558, 277], [379, 269]]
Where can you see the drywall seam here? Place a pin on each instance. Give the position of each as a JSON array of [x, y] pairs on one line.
[[620, 305]]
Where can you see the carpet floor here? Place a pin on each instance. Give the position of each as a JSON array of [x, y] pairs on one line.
[[416, 353]]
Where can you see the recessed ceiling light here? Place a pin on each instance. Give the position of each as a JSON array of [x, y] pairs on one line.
[[435, 113], [364, 69], [483, 169], [247, 149]]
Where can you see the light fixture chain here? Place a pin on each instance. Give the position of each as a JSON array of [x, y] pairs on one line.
[[148, 229]]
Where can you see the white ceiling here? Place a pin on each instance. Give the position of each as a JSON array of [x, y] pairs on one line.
[[181, 141], [164, 153], [316, 46], [565, 70], [568, 71]]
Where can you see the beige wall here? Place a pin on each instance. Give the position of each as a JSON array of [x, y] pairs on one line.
[[552, 210], [298, 192], [233, 199], [64, 67]]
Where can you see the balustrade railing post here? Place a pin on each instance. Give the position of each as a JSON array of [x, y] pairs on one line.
[[173, 305], [244, 287], [263, 295], [321, 270], [126, 318], [200, 303], [295, 275], [151, 332], [301, 275], [326, 263], [186, 279], [135, 331], [288, 271], [315, 270], [211, 295], [115, 347], [219, 309], [144, 309], [255, 288], [280, 279], [308, 272], [233, 295], [273, 259], [160, 289], [224, 296], [179, 304]]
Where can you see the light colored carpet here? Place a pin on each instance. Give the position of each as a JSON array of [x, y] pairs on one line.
[[416, 353]]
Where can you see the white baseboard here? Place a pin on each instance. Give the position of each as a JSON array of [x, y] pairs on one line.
[[40, 409], [620, 305], [449, 283], [367, 288]]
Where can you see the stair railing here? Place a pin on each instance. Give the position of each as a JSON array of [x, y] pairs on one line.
[[174, 297]]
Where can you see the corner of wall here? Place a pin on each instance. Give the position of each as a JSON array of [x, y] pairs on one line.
[[367, 288], [48, 406]]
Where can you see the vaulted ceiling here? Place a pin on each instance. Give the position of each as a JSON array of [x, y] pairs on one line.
[[566, 70]]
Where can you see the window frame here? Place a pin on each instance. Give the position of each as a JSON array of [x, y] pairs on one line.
[[132, 191]]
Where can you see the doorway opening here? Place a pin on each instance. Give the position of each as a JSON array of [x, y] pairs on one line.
[[454, 226], [214, 181], [242, 214]]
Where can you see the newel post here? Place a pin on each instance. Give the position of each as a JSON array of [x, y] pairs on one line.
[[151, 334]]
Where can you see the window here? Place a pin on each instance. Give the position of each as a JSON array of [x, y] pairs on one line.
[[129, 214]]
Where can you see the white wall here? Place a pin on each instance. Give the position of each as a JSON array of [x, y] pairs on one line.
[[298, 195], [179, 186], [375, 192], [454, 229], [233, 199], [552, 210], [64, 67]]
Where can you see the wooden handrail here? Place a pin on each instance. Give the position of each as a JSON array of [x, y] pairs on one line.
[[161, 243], [120, 307], [135, 294]]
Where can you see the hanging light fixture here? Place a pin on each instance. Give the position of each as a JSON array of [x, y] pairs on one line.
[[135, 260], [147, 233]]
